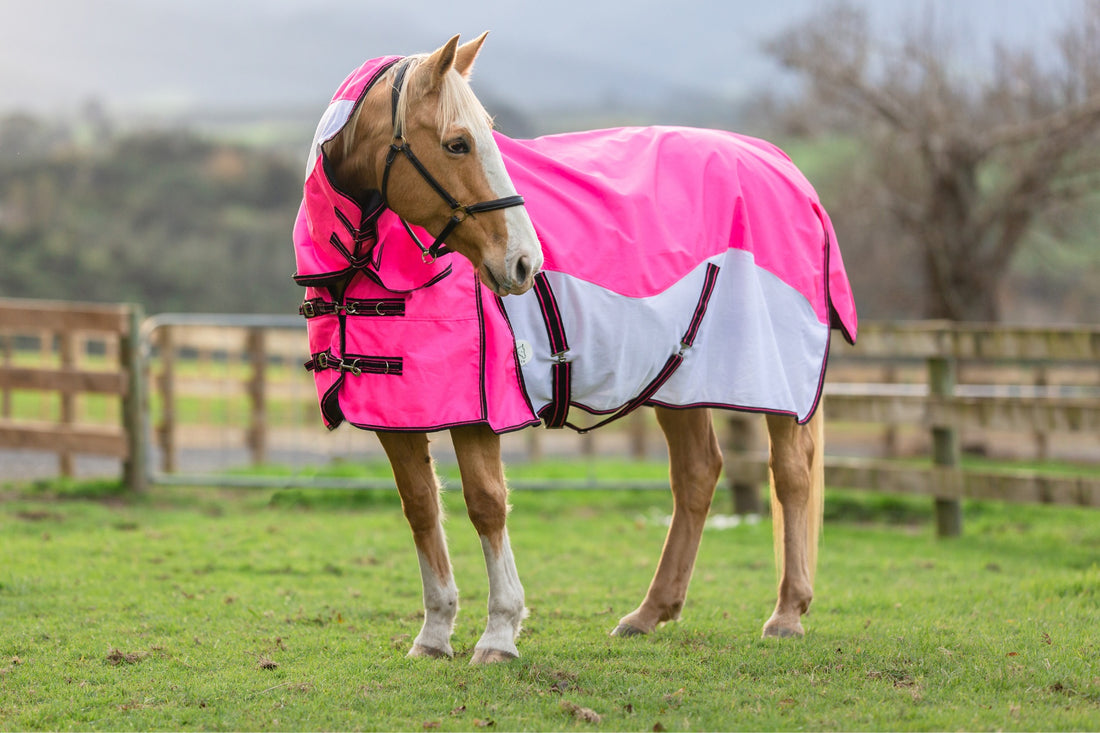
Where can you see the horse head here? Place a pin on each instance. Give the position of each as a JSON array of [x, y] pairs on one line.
[[455, 185]]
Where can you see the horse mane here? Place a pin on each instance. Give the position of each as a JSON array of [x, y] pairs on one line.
[[458, 105]]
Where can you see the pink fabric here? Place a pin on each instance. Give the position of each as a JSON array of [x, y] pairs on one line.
[[616, 191]]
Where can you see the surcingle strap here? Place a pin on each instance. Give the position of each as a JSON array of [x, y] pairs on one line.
[[555, 413], [558, 409]]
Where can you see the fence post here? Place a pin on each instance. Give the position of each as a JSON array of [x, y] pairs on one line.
[[134, 403], [745, 491], [945, 446], [5, 360], [257, 389], [166, 386], [67, 349]]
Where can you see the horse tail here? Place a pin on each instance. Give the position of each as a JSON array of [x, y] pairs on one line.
[[815, 507]]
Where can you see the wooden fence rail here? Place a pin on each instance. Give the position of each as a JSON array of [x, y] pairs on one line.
[[61, 365], [1062, 400]]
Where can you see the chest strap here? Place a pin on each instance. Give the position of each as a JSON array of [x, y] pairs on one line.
[[357, 364], [314, 307], [555, 414]]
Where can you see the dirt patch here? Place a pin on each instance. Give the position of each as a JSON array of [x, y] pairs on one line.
[[115, 657], [39, 515]]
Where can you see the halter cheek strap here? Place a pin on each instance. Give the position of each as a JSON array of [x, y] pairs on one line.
[[459, 212]]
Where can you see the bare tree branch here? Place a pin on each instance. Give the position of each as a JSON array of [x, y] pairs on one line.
[[967, 164]]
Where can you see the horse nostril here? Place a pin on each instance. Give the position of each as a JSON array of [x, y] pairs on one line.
[[523, 269]]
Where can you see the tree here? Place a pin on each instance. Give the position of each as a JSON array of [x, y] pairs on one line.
[[965, 162]]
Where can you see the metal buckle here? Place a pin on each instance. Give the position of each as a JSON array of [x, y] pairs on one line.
[[560, 356], [351, 309], [321, 361], [307, 309]]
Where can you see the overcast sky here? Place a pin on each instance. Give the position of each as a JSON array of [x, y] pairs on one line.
[[176, 54]]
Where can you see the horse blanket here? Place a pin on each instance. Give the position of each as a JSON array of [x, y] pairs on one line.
[[683, 267]]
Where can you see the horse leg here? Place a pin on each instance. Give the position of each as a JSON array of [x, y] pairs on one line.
[[695, 461], [414, 473], [486, 494], [798, 487]]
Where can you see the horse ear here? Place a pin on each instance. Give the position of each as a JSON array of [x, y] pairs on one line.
[[467, 52], [441, 62]]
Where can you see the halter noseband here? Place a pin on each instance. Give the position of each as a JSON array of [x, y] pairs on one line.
[[459, 212]]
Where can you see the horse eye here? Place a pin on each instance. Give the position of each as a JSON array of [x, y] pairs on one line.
[[458, 146]]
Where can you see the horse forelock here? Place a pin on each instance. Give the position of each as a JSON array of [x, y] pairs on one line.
[[458, 105]]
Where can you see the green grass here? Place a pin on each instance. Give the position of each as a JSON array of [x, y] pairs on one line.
[[191, 609]]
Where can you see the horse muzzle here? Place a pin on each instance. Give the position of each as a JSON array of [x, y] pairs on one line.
[[518, 275]]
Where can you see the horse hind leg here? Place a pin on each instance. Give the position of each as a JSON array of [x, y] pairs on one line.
[[798, 487], [418, 485], [486, 494], [695, 462]]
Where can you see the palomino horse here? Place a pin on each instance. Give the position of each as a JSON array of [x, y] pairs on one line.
[[364, 182]]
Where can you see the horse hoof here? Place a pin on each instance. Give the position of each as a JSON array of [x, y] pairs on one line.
[[492, 656], [626, 631], [783, 632], [427, 652]]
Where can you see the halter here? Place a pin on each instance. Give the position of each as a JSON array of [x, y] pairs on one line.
[[459, 212]]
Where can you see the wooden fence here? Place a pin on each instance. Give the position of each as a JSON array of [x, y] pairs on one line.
[[1004, 391], [902, 407], [69, 351]]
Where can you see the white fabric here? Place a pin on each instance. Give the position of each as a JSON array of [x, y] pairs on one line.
[[618, 344]]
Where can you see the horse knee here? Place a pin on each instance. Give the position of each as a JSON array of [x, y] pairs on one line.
[[422, 511], [487, 510]]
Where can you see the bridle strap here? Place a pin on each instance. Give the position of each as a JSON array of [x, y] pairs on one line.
[[459, 212]]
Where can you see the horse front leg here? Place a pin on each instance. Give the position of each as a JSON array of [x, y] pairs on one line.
[[414, 473], [486, 494], [695, 462], [797, 484]]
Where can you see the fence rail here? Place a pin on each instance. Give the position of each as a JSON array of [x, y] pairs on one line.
[[71, 350]]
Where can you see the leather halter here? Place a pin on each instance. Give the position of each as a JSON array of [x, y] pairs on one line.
[[459, 212]]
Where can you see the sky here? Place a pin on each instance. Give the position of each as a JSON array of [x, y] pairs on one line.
[[174, 55]]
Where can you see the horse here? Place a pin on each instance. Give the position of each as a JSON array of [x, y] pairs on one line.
[[405, 161]]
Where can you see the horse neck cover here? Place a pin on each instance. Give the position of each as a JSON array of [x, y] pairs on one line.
[[701, 249]]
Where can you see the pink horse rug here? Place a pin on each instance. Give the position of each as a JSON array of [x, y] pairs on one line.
[[683, 267]]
